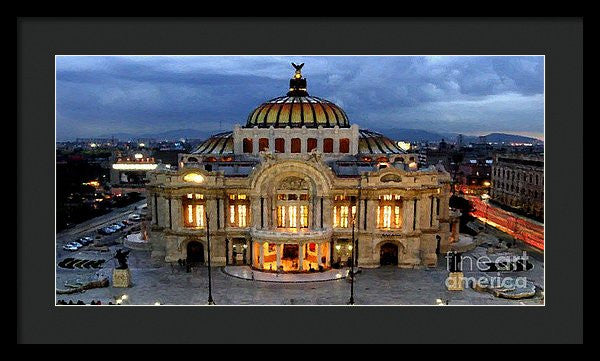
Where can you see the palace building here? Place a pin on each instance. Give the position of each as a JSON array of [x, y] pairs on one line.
[[288, 190]]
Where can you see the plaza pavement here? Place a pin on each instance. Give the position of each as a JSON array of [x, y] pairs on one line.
[[382, 286]]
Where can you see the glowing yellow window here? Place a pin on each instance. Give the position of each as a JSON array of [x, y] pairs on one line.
[[397, 216], [242, 215], [335, 219], [232, 215], [281, 216], [387, 216], [193, 177], [303, 216], [344, 216], [199, 215], [292, 216]]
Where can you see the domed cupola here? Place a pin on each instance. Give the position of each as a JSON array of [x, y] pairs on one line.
[[297, 109]]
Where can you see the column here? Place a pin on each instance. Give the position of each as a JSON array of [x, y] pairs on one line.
[[229, 246], [261, 255], [327, 212], [279, 250], [177, 212], [326, 245], [211, 211], [407, 214], [371, 213], [316, 213], [300, 256], [319, 253]]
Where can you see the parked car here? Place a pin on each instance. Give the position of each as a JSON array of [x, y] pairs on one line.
[[69, 247], [106, 230], [76, 244], [85, 240], [134, 217]]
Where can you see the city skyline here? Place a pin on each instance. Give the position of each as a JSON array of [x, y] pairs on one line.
[[472, 95]]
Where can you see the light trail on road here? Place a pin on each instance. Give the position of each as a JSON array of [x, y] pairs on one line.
[[520, 228]]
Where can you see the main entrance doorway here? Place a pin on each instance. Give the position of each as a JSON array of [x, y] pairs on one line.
[[289, 257], [195, 253], [388, 255]]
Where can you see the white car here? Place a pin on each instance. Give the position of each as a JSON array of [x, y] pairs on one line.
[[134, 217], [67, 247]]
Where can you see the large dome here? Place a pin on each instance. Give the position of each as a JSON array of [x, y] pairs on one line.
[[298, 109], [296, 112]]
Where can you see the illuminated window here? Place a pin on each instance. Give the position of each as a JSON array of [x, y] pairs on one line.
[[387, 216], [335, 219], [389, 211], [281, 216], [344, 216], [238, 210], [194, 211], [292, 210], [343, 205], [242, 215], [303, 216], [292, 216], [193, 177]]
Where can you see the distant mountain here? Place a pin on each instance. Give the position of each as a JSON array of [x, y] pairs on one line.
[[511, 138], [419, 135]]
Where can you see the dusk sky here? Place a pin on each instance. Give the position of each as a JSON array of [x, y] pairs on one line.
[[473, 95]]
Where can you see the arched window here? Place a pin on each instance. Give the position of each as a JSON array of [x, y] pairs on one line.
[[328, 145], [296, 145], [263, 144], [279, 145], [344, 145], [311, 143], [248, 145]]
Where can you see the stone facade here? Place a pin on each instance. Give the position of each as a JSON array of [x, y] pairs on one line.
[[416, 240], [288, 191], [518, 182]]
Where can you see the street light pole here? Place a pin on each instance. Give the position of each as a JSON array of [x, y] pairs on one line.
[[210, 299], [352, 265]]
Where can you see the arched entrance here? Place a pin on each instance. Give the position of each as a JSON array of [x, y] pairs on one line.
[[195, 253], [388, 254]]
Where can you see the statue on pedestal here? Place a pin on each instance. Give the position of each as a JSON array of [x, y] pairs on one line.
[[121, 257]]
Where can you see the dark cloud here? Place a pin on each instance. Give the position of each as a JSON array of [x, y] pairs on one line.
[[100, 95]]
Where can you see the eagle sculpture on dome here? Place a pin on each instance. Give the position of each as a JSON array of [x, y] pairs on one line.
[[298, 67]]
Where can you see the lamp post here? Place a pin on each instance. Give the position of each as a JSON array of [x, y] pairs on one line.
[[351, 302], [210, 299]]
